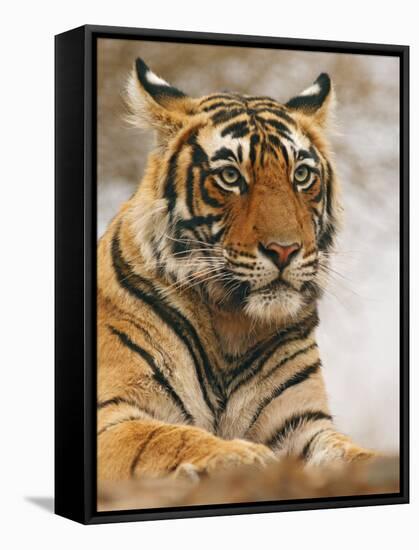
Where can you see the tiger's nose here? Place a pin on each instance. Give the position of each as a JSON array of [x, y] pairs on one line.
[[280, 254]]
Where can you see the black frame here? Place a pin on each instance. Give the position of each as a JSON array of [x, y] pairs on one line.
[[75, 272]]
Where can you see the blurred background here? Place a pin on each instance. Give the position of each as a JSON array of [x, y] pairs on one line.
[[359, 329]]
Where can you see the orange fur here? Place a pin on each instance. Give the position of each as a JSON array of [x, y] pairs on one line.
[[188, 372]]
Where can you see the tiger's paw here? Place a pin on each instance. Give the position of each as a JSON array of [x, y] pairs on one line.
[[359, 454], [340, 449], [227, 455]]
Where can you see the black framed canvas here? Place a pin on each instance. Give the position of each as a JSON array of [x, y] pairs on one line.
[[231, 274]]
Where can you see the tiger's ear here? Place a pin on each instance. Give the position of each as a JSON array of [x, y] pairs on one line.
[[155, 103], [316, 101]]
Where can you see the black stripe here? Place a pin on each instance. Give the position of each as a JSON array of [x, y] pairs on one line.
[[287, 359], [314, 153], [229, 358], [148, 337], [141, 448], [198, 221], [323, 188], [170, 193], [219, 96], [278, 143], [294, 423], [225, 115], [143, 290], [264, 350], [253, 354], [263, 98], [190, 178], [117, 422], [326, 237], [303, 154], [280, 128], [329, 189], [275, 124], [258, 356], [296, 379], [119, 401], [307, 449], [176, 458], [313, 263], [260, 109], [319, 196], [158, 375], [249, 266], [205, 196], [199, 159], [311, 290], [309, 252], [237, 129], [239, 294], [223, 154], [199, 233], [264, 147], [217, 236], [225, 104], [157, 254], [315, 170], [254, 140], [240, 152]]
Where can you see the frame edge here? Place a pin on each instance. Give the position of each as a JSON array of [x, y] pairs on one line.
[[69, 275]]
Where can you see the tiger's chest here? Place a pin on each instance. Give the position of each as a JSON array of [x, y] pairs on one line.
[[217, 376], [256, 385]]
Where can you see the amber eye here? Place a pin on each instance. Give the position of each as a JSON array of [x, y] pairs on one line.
[[230, 176], [303, 177]]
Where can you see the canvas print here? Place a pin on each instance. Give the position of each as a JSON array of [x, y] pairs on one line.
[[247, 274]]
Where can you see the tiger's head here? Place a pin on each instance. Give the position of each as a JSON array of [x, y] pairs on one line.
[[239, 199]]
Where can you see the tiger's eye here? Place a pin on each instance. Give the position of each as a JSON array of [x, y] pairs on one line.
[[302, 174], [230, 176]]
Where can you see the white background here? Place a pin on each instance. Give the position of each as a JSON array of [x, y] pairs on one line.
[[26, 218]]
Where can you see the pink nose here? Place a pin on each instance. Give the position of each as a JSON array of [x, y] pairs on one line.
[[281, 254]]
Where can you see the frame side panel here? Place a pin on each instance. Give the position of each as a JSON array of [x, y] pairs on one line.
[[404, 273], [69, 274]]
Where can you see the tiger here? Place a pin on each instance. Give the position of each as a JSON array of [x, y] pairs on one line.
[[209, 279]]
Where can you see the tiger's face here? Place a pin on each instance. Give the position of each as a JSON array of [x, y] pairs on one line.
[[240, 201]]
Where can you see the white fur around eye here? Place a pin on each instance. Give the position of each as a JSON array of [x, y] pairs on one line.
[[231, 188], [307, 185]]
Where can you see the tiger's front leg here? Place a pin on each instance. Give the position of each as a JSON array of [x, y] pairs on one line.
[[147, 423], [132, 447], [289, 412], [311, 436]]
